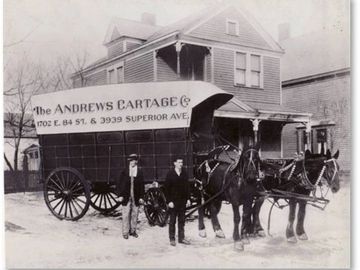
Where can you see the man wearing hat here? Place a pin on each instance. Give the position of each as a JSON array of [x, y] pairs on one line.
[[131, 194]]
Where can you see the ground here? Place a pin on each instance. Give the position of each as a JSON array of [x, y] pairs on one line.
[[36, 239]]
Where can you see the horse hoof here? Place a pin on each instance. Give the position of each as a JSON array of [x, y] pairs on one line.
[[261, 233], [239, 246], [303, 237], [219, 234], [292, 239], [245, 241], [202, 233]]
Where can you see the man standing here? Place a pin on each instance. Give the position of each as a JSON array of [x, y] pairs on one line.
[[177, 196], [131, 195]]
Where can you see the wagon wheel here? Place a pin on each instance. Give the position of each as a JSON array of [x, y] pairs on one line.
[[103, 198], [66, 194], [156, 209]]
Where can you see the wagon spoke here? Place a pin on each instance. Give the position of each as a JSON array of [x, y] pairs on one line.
[[53, 181], [98, 196], [76, 198], [66, 207], [71, 213], [58, 203], [72, 202], [61, 207], [60, 182], [55, 199]]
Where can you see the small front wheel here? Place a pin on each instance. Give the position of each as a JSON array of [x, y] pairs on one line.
[[155, 207]]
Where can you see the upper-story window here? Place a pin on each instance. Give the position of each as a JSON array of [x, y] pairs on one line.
[[240, 68], [248, 70], [232, 27], [255, 70], [115, 74]]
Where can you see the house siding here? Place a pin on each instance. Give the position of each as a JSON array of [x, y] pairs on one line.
[[98, 78], [215, 29], [327, 99], [116, 49], [164, 71], [224, 78], [140, 69]]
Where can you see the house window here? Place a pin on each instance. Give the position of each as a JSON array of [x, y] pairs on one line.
[[240, 68], [111, 74], [115, 74], [232, 28], [255, 70], [120, 74], [248, 70]]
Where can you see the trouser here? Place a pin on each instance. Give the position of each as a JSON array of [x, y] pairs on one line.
[[178, 213], [130, 214]]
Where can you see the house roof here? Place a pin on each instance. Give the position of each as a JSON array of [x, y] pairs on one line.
[[263, 111], [185, 23], [129, 28], [315, 53]]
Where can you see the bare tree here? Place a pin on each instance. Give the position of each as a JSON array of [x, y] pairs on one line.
[[21, 83]]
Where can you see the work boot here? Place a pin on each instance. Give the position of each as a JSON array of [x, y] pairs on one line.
[[184, 241], [134, 234], [126, 236], [172, 243]]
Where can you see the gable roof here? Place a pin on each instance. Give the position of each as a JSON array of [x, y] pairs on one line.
[[315, 53], [185, 23], [123, 27]]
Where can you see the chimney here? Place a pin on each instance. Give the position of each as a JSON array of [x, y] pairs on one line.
[[148, 18], [284, 31]]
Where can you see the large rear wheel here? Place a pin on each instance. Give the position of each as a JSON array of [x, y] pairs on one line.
[[66, 194]]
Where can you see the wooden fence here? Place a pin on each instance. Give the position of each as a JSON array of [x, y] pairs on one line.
[[21, 181]]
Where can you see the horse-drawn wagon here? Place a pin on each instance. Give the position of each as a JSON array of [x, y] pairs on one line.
[[85, 135]]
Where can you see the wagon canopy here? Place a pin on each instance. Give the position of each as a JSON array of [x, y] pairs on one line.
[[136, 106]]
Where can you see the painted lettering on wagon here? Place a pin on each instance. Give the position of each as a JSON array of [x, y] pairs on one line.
[[109, 113], [122, 104]]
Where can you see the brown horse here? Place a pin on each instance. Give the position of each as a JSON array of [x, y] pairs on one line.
[[299, 179], [235, 184]]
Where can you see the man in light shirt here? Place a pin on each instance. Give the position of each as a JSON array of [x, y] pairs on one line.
[[131, 196]]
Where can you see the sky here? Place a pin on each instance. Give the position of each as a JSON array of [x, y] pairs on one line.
[[46, 29]]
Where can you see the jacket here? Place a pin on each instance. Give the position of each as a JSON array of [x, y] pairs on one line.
[[177, 188], [124, 185]]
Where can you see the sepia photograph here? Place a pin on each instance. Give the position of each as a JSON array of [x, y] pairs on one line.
[[177, 134]]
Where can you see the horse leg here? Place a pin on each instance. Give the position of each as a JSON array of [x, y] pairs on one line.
[[290, 235], [214, 210], [300, 231], [258, 229], [238, 244], [246, 222], [201, 225]]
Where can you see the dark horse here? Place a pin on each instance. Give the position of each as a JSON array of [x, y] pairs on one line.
[[234, 182], [299, 180]]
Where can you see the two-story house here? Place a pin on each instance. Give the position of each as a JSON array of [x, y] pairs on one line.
[[223, 46]]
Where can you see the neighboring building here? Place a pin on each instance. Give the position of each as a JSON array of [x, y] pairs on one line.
[[316, 78], [28, 139], [223, 46]]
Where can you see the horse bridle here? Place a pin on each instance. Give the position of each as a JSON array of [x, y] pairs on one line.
[[251, 162], [313, 186]]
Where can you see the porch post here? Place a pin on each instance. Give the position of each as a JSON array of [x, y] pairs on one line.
[[308, 135], [178, 47], [255, 123]]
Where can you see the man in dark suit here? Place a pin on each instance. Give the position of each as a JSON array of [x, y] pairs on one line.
[[131, 194], [177, 196]]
